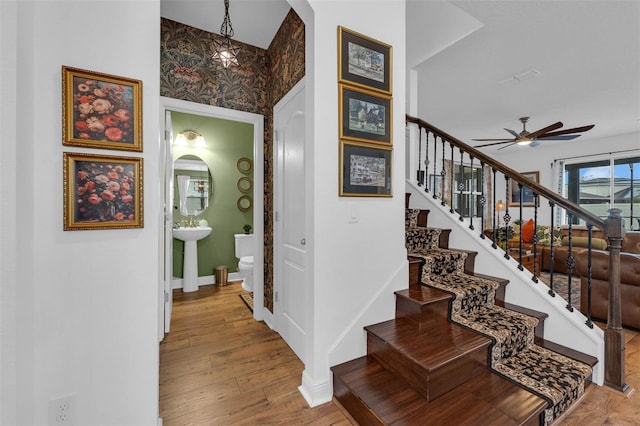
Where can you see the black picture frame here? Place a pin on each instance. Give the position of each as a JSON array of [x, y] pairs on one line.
[[364, 116], [364, 61], [365, 170]]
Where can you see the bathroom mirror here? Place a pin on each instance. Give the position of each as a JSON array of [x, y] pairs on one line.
[[193, 185]]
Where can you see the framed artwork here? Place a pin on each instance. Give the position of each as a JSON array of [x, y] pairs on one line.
[[364, 116], [363, 61], [435, 185], [102, 192], [101, 110], [527, 193], [365, 170]]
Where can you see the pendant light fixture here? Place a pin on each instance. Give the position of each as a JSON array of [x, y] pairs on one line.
[[226, 52]]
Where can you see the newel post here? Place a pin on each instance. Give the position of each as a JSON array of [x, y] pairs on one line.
[[614, 333]]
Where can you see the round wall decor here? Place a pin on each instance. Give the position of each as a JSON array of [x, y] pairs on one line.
[[245, 184], [244, 165], [245, 203]]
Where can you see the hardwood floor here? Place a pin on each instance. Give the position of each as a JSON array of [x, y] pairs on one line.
[[220, 367]]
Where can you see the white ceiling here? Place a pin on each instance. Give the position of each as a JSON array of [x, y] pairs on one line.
[[586, 52], [254, 22], [585, 57]]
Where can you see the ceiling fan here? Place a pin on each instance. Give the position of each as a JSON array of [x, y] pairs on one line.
[[533, 138]]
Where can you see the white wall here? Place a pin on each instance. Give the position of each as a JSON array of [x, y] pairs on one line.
[[355, 266], [82, 305]]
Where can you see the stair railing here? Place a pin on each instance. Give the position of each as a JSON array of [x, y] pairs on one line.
[[613, 227]]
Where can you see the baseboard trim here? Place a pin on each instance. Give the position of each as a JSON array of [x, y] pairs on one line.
[[315, 392], [205, 280]]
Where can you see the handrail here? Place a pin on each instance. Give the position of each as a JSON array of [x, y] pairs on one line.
[[613, 228], [534, 186]]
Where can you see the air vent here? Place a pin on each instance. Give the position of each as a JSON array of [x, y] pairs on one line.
[[520, 77]]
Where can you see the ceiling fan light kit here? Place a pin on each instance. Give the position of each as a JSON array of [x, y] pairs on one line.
[[549, 133]]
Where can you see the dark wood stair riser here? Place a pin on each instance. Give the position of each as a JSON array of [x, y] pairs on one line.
[[424, 316], [415, 271], [428, 381]]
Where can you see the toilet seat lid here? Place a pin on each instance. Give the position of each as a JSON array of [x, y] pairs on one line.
[[246, 259]]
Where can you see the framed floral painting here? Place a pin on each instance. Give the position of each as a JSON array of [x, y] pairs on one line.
[[102, 192], [101, 110]]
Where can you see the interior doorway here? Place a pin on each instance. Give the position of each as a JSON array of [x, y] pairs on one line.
[[167, 105], [291, 316]]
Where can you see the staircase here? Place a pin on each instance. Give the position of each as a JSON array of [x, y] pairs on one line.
[[423, 367]]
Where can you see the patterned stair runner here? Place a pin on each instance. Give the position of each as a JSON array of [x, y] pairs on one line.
[[514, 355]]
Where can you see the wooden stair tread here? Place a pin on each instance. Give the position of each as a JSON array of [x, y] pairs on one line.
[[486, 399], [431, 349], [423, 295], [568, 352]]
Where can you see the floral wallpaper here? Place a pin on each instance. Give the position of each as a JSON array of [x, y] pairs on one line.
[[262, 78]]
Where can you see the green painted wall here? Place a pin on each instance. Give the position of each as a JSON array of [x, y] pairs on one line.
[[227, 142]]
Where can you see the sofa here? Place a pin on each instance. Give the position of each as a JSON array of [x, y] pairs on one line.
[[559, 239], [629, 281]]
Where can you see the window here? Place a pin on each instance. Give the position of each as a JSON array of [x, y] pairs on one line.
[[598, 186], [467, 183]]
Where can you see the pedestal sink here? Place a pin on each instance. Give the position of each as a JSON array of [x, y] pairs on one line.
[[190, 236]]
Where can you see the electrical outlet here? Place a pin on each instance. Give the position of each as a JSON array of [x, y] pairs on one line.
[[61, 410]]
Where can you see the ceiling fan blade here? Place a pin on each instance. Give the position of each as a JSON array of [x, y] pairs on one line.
[[545, 130], [492, 140], [513, 132], [558, 138], [567, 131], [507, 146], [495, 143]]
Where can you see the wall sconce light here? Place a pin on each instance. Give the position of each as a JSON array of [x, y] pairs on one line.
[[189, 137], [500, 206]]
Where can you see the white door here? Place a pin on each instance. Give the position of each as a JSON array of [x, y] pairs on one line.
[[168, 222], [290, 318]]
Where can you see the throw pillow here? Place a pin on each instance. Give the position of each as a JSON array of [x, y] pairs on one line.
[[527, 231], [596, 243]]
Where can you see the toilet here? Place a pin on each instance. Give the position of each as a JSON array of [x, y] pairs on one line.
[[244, 252]]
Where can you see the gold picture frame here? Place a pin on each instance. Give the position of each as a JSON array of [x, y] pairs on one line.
[[102, 192], [364, 116], [101, 110], [364, 61], [365, 170]]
